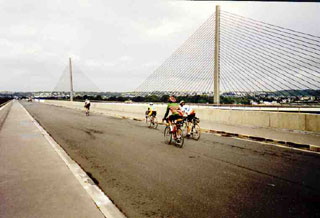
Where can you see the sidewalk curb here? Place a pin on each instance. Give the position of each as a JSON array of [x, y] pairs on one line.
[[103, 203], [300, 146]]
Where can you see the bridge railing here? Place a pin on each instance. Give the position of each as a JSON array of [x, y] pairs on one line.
[[210, 115]]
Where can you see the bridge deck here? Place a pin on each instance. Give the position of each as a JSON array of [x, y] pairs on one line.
[[213, 177]]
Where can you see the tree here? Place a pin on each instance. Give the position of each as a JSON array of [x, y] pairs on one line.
[[227, 100], [152, 98], [164, 98], [98, 97]]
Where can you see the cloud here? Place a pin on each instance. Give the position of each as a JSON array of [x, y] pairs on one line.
[[99, 64], [126, 59], [116, 43], [165, 28], [23, 30]]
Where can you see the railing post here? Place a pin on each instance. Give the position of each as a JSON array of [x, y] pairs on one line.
[[71, 82], [216, 85]]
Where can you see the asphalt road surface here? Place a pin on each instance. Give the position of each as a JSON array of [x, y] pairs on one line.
[[213, 177]]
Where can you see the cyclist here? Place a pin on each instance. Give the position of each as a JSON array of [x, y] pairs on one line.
[[151, 110], [87, 105], [189, 113], [174, 108]]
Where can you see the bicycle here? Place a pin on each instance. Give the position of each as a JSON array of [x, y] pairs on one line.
[[87, 111], [152, 121], [176, 135], [195, 128]]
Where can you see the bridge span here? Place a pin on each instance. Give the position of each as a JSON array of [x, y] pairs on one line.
[[214, 177]]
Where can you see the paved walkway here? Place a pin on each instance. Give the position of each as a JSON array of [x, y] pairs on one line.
[[34, 180], [300, 137]]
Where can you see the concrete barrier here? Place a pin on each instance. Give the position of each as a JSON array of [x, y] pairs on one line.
[[294, 121], [312, 122], [4, 110], [279, 120]]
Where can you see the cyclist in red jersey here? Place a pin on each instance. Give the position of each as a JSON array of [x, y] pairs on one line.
[[174, 108]]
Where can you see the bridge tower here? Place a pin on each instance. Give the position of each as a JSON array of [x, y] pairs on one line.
[[216, 80], [71, 82]]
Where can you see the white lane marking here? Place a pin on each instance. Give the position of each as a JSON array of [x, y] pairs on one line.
[[100, 199]]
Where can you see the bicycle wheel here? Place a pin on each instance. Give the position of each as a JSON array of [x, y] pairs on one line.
[[155, 123], [184, 129], [196, 132], [167, 135], [148, 121], [179, 138]]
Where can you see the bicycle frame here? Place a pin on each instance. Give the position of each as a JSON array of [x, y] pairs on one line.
[[176, 127], [153, 122]]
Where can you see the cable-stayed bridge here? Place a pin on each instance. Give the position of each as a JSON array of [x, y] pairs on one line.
[[110, 164], [81, 82], [254, 58], [250, 57]]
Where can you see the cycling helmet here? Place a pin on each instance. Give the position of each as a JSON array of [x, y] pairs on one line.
[[172, 99], [150, 103], [182, 102]]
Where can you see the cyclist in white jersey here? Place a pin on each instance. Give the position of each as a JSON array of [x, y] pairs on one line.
[[189, 113]]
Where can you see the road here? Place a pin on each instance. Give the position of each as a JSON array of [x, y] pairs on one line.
[[214, 177]]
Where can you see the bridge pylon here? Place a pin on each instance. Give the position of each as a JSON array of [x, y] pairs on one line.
[[71, 82], [216, 76]]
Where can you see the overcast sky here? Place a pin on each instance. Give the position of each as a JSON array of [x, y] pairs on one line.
[[117, 44]]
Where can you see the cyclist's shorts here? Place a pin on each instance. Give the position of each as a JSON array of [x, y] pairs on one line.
[[191, 117], [174, 117], [87, 106], [154, 113]]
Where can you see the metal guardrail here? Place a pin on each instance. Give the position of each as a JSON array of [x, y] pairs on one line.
[[272, 108]]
